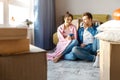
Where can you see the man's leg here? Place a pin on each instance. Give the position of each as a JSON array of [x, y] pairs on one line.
[[81, 53]]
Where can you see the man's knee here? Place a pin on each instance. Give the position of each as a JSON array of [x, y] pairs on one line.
[[74, 49], [69, 56]]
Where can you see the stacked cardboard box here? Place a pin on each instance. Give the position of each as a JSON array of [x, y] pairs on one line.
[[13, 40]]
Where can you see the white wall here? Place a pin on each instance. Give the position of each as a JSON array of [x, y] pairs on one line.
[[81, 6]]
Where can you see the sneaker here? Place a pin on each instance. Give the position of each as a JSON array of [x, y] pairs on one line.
[[94, 58], [96, 63]]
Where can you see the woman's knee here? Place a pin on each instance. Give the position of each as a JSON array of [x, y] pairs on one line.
[[75, 42]]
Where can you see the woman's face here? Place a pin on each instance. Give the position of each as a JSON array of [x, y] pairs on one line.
[[86, 20], [68, 20]]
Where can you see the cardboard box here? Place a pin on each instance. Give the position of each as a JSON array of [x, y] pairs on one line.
[[12, 33], [14, 46], [109, 60], [27, 66]]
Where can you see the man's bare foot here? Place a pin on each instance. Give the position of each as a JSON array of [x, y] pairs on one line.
[[57, 58]]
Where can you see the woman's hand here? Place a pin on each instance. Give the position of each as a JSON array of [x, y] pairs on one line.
[[69, 37]]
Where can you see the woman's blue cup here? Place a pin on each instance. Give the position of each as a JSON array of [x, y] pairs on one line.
[[71, 35]]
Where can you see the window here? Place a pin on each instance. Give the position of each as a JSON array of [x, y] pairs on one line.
[[1, 13], [14, 12]]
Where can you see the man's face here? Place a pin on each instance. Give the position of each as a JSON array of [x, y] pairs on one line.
[[86, 20]]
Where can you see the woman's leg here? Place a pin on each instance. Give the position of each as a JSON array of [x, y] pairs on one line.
[[81, 53], [67, 51], [70, 46]]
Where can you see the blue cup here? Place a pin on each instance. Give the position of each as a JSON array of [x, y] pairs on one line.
[[71, 35]]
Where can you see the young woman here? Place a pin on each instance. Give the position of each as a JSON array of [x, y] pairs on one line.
[[67, 35]]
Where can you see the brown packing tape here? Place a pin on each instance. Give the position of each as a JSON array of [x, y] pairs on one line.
[[13, 33], [8, 47]]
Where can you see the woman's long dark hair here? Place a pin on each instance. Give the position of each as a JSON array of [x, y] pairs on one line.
[[68, 15]]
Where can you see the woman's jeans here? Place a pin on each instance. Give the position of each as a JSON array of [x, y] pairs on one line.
[[66, 53]]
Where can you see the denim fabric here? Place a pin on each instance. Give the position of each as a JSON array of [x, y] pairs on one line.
[[95, 46], [73, 52], [82, 53], [92, 30], [90, 50], [70, 56], [66, 53]]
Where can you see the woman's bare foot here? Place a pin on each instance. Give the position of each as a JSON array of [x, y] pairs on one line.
[[57, 58]]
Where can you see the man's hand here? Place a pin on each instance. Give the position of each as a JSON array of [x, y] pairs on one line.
[[82, 45]]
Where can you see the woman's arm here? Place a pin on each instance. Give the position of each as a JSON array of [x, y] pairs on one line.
[[60, 32]]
